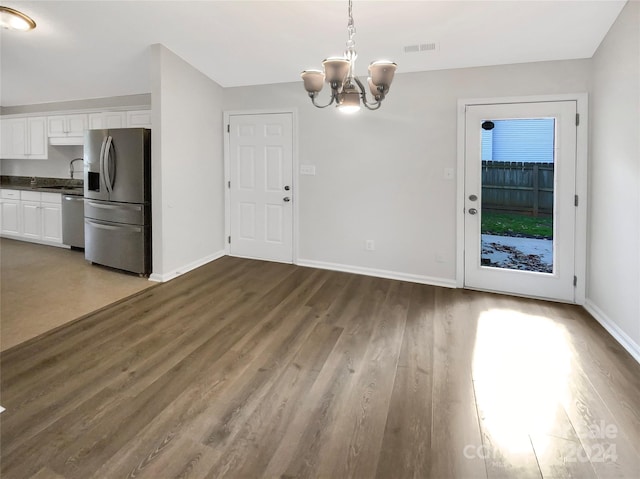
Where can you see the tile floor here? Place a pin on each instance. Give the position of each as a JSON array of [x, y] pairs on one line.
[[43, 287]]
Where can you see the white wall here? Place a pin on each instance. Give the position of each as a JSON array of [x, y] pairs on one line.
[[380, 174], [613, 288], [187, 166]]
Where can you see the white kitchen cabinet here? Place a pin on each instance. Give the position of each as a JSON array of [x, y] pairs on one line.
[[10, 207], [107, 119], [32, 216], [139, 119], [61, 126], [24, 138], [51, 222]]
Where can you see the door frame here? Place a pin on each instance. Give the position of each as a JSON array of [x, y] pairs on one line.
[[580, 247], [227, 114]]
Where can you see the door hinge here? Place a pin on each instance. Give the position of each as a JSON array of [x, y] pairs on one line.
[[577, 119], [229, 128], [228, 184], [575, 200], [575, 281], [229, 239]]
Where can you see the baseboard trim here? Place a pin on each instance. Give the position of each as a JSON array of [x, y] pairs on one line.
[[379, 273], [613, 329], [161, 278], [34, 241]]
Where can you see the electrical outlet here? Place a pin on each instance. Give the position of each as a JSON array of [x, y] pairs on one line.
[[369, 245]]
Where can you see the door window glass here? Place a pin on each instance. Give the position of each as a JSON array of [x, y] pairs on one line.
[[518, 177]]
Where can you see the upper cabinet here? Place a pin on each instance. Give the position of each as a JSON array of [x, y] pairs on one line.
[[107, 119], [24, 138], [62, 126], [27, 138], [139, 119]]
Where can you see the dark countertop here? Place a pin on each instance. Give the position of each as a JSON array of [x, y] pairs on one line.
[[63, 186]]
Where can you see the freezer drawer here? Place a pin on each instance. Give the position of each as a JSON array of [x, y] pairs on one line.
[[121, 246], [130, 213]]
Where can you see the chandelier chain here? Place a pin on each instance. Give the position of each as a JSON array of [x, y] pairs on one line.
[[351, 29]]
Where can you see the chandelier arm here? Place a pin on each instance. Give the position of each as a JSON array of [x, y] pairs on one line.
[[313, 100], [363, 95], [375, 106]]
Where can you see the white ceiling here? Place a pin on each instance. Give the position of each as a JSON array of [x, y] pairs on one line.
[[92, 49]]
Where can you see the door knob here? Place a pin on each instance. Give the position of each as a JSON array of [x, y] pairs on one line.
[[286, 199], [472, 211], [287, 188]]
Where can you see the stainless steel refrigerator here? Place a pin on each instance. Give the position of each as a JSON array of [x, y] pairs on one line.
[[117, 198]]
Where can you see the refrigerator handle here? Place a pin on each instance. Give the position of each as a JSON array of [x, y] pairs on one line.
[[104, 143], [108, 164]]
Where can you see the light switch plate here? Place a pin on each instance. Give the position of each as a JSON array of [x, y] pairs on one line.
[[307, 169]]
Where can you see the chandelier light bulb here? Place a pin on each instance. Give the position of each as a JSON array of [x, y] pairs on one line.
[[350, 101]]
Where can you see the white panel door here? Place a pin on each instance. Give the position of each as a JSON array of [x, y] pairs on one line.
[[261, 189], [519, 207]]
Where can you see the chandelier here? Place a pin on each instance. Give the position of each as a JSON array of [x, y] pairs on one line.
[[14, 20], [346, 88]]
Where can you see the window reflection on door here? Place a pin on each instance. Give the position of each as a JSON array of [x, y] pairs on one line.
[[517, 217]]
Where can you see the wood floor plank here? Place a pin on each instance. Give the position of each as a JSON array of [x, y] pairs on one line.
[[506, 445], [309, 433], [246, 366], [357, 437], [608, 366], [610, 451], [406, 446], [455, 426], [247, 369], [252, 448]]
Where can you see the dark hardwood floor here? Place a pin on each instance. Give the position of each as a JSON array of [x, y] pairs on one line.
[[246, 369]]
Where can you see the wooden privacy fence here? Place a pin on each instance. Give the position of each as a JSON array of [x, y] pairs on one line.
[[517, 187]]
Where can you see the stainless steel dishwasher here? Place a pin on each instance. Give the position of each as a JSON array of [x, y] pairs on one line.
[[73, 221]]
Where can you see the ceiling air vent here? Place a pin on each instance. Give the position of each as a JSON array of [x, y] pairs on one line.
[[421, 47]]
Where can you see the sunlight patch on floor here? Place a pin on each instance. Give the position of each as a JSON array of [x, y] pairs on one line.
[[520, 369]]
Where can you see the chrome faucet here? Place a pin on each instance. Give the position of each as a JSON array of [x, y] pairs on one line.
[[71, 166]]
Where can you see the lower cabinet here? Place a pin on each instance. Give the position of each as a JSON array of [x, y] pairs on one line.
[[32, 216], [31, 219], [10, 216], [51, 222]]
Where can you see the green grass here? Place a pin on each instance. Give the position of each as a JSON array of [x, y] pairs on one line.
[[513, 224]]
